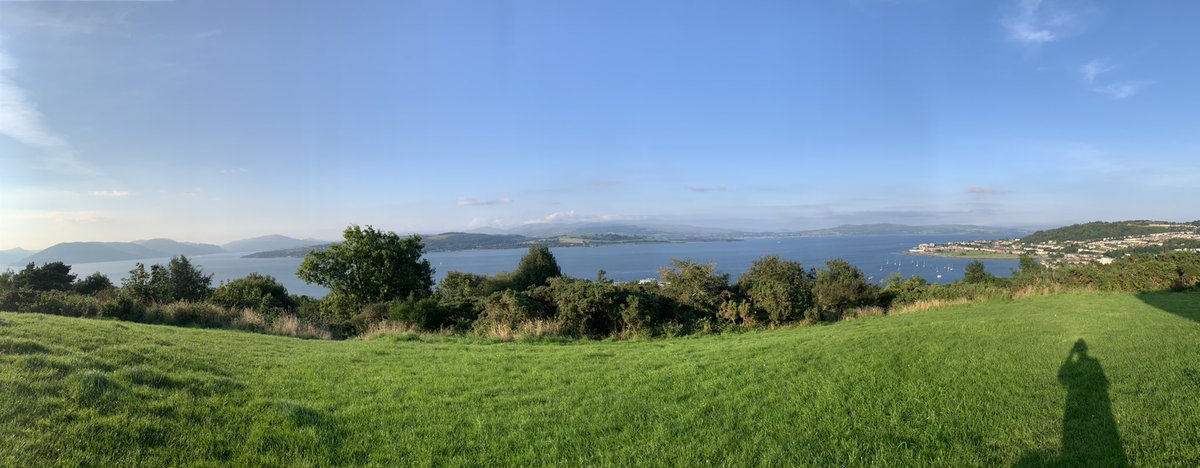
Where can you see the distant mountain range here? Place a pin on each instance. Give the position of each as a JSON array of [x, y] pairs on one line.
[[905, 230], [91, 252], [555, 234]]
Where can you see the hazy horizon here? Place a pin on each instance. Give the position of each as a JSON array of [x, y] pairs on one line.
[[211, 122]]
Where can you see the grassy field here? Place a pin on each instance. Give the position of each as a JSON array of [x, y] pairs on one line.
[[1078, 379]]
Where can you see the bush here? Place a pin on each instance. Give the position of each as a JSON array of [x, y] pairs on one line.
[[583, 308], [262, 293], [509, 308], [780, 289], [425, 313], [184, 313]]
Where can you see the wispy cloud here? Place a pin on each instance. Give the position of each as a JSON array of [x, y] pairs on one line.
[[1091, 73], [234, 171], [62, 22], [1038, 22], [706, 189], [78, 217], [570, 216], [110, 194], [21, 120], [979, 190], [479, 202]]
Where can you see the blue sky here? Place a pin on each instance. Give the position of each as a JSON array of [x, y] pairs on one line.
[[212, 121]]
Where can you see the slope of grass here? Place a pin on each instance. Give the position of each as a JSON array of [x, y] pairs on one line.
[[984, 384]]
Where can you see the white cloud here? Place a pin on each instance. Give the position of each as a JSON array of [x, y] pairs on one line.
[[1038, 22], [478, 202], [985, 191], [706, 189], [234, 171], [21, 120], [486, 222], [570, 216], [79, 217], [1093, 70], [110, 193]]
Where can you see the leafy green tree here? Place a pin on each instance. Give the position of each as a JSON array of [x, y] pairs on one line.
[[461, 295], [840, 286], [782, 289], [53, 276], [974, 273], [537, 266], [186, 282], [583, 308], [695, 286], [255, 291], [370, 266], [92, 284]]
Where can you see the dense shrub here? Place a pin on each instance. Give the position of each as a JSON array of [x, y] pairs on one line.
[[780, 289], [92, 284], [425, 313], [583, 308], [841, 286], [509, 308], [261, 293], [695, 286]]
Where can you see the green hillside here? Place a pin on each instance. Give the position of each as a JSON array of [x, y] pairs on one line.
[[1078, 379], [1104, 230]]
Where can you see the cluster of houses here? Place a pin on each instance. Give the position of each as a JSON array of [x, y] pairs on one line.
[[1052, 253]]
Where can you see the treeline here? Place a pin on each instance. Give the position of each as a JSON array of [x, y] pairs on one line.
[[379, 279], [178, 293], [1104, 230]]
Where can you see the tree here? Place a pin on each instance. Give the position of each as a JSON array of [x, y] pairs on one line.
[[782, 289], [186, 282], [370, 266], [92, 284], [255, 291], [53, 276], [537, 266], [840, 286], [695, 286], [975, 274]]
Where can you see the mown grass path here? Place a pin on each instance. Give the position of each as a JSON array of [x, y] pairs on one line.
[[1095, 379]]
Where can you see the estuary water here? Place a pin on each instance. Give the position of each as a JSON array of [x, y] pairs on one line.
[[877, 256]]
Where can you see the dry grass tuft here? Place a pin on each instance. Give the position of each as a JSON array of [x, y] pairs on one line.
[[389, 328], [524, 330], [927, 304]]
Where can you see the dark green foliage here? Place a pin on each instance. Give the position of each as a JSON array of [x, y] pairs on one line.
[[840, 286], [899, 290], [461, 296], [425, 312], [780, 289], [695, 286], [509, 308], [975, 273], [92, 284], [583, 308], [370, 266], [187, 282], [535, 269], [261, 293], [53, 276]]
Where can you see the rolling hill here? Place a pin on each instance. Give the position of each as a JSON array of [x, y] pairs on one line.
[[271, 242], [1098, 230], [1065, 380]]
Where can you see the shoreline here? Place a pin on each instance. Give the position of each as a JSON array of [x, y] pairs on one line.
[[965, 255]]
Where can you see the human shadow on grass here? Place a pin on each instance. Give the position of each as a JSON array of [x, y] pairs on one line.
[[1089, 430], [1183, 304]]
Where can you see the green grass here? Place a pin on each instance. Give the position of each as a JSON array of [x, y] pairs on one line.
[[984, 384]]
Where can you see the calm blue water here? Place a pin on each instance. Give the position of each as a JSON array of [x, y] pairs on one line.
[[877, 256]]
